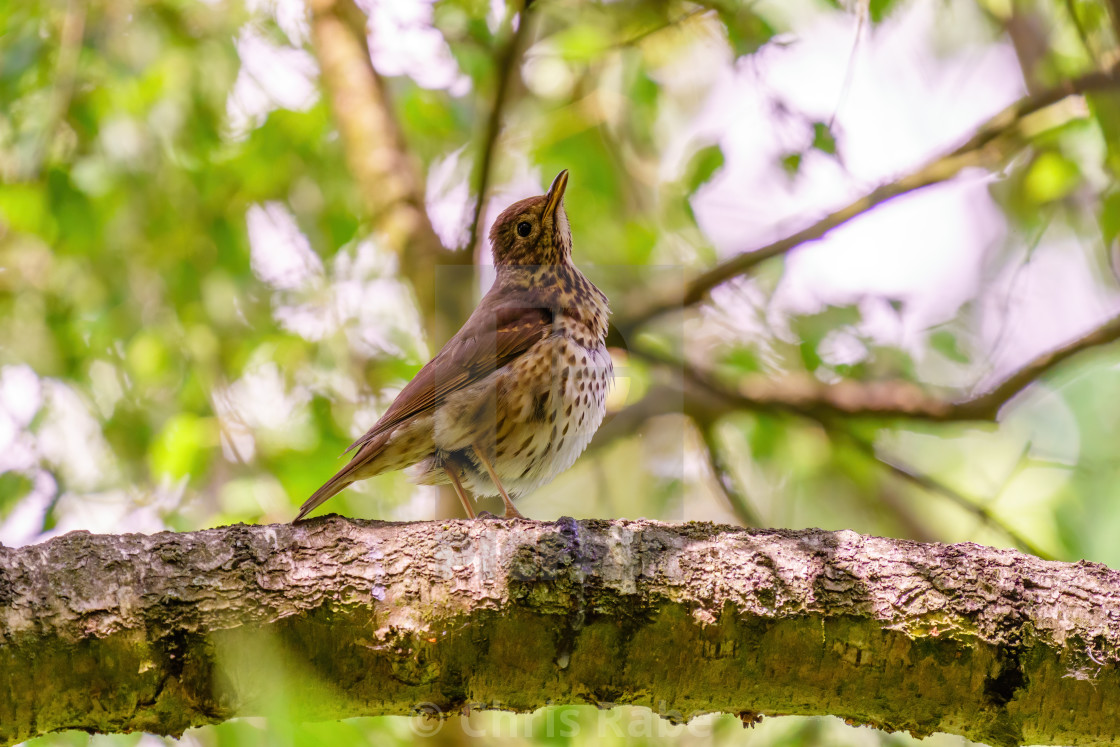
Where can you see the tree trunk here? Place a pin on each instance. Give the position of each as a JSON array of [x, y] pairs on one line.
[[163, 632]]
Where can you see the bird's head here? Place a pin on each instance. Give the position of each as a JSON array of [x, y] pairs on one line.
[[534, 231]]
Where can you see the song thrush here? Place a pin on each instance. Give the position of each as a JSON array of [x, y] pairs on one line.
[[515, 396]]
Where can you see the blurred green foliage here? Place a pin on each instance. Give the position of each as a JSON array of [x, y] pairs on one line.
[[163, 365]]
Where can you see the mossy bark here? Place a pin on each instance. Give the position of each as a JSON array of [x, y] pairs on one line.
[[163, 632]]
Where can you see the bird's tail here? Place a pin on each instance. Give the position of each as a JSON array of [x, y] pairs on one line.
[[360, 466], [334, 485]]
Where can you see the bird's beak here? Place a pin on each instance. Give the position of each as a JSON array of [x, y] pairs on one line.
[[555, 194]]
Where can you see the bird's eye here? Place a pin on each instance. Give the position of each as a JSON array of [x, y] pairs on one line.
[[524, 228]]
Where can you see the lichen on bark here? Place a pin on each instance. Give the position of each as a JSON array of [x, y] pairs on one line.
[[167, 631]]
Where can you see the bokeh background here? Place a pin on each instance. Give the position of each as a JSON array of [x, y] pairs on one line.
[[224, 248]]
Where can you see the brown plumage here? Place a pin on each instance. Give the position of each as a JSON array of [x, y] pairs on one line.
[[514, 397]]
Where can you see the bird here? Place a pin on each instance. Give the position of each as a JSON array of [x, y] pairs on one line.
[[516, 394]]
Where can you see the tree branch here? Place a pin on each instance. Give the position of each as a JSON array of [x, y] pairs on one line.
[[163, 632], [908, 474], [507, 62], [388, 178], [984, 148], [703, 396], [987, 406]]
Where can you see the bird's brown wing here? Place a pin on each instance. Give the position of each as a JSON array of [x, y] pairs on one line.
[[491, 338], [478, 349]]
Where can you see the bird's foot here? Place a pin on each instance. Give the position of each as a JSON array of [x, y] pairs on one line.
[[494, 517]]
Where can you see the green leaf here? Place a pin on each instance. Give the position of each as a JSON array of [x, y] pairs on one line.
[[823, 139], [13, 486], [1051, 177], [791, 162], [764, 435], [746, 30], [879, 9], [739, 361], [581, 42], [1105, 107], [428, 112], [23, 207], [946, 343], [1110, 217], [811, 329], [181, 446], [703, 165], [640, 240], [147, 357]]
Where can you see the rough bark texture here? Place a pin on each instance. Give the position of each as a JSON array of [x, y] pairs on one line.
[[159, 632]]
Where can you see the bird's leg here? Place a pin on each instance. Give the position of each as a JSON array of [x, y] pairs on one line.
[[452, 471], [511, 512]]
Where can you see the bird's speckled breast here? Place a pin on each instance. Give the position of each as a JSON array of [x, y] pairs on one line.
[[571, 402], [544, 408]]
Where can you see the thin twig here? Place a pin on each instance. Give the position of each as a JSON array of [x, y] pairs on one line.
[[1010, 295], [508, 65], [71, 37], [721, 472], [643, 35], [1008, 119], [909, 474], [507, 62], [938, 171], [986, 406], [979, 150], [849, 71]]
